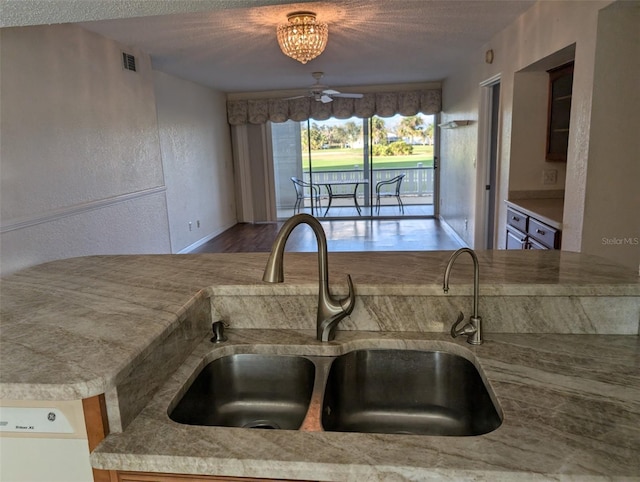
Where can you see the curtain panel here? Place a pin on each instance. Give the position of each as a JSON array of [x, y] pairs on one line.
[[383, 104]]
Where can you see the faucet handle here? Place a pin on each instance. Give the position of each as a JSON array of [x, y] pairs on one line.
[[454, 328], [472, 330], [331, 311], [348, 302]]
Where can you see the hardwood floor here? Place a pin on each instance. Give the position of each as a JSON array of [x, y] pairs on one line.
[[347, 235]]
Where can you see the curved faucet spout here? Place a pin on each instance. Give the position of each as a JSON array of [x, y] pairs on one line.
[[330, 310], [473, 329], [476, 275]]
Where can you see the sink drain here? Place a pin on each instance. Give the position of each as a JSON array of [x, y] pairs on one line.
[[263, 424]]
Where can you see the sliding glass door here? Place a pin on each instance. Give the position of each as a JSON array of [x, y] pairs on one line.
[[336, 164], [402, 166], [355, 168]]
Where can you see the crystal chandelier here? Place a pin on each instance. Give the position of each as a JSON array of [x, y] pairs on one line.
[[303, 38]]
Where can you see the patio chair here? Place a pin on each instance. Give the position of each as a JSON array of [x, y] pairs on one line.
[[314, 194], [385, 189]]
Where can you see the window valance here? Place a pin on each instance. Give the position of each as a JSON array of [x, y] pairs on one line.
[[383, 104]]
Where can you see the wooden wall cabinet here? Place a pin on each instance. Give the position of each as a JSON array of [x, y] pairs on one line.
[[527, 232], [559, 112]]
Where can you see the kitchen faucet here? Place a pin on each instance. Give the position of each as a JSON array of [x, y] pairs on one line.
[[330, 310], [473, 329]]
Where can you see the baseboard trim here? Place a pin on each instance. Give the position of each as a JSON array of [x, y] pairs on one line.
[[28, 221], [452, 232], [208, 237]]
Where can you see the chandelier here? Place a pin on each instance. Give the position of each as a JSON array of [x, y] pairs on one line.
[[302, 38]]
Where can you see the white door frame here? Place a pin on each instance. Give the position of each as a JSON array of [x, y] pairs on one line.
[[483, 199]]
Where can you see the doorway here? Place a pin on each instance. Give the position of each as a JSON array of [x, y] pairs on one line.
[[488, 169]]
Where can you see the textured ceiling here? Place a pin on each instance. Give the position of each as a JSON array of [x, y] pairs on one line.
[[232, 46]]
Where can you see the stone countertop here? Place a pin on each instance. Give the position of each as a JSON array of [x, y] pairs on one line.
[[71, 329], [81, 327], [547, 210], [571, 406]]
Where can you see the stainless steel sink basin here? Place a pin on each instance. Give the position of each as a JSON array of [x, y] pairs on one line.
[[249, 390], [411, 392], [373, 391]]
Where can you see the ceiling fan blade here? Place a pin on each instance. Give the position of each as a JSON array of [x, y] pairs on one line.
[[349, 96], [295, 97], [322, 93]]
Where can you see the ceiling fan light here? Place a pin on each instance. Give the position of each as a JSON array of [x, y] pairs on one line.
[[302, 38]]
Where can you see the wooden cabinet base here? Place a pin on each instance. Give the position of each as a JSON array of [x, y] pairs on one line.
[[97, 424]]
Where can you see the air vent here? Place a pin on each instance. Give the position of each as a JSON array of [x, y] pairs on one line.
[[128, 61]]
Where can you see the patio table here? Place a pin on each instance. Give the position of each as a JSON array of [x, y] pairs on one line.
[[331, 184]]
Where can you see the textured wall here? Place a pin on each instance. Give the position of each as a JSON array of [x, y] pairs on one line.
[[458, 155], [546, 28], [81, 171], [611, 221], [529, 134], [197, 159]]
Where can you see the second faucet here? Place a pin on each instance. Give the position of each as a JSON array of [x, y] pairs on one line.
[[473, 329]]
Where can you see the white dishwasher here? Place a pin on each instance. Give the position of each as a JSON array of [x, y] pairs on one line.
[[43, 441]]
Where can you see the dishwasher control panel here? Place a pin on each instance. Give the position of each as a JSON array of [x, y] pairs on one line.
[[34, 420]]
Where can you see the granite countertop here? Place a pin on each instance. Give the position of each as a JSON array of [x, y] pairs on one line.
[[81, 327], [547, 210], [571, 407], [87, 319]]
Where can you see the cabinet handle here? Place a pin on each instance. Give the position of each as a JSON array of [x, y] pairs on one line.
[[540, 231], [515, 218]]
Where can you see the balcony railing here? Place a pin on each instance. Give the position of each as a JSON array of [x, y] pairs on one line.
[[418, 181]]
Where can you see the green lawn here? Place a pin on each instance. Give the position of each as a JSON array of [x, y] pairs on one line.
[[344, 159]]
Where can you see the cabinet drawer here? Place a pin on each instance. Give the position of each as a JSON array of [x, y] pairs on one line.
[[517, 220], [543, 233], [515, 239], [533, 244]]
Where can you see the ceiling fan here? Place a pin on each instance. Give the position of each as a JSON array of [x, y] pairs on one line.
[[322, 93]]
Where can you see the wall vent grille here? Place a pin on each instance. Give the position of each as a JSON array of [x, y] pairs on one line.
[[128, 61]]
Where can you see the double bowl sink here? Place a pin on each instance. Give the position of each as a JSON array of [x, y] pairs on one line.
[[367, 390]]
